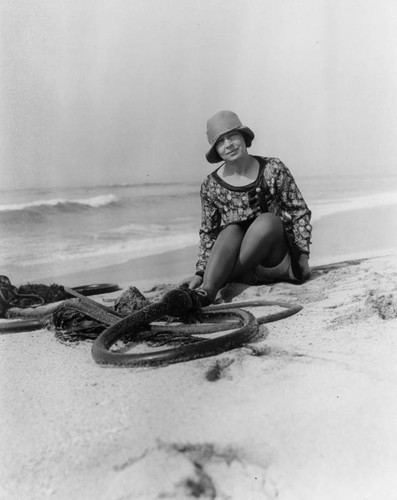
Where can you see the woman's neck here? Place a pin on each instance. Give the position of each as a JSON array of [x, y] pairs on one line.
[[240, 172]]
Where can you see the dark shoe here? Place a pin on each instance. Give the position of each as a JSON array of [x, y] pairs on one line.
[[204, 300]]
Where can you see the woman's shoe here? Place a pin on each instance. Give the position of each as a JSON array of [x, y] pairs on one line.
[[205, 301]]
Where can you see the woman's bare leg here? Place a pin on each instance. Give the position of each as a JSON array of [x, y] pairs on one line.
[[222, 259], [236, 252], [263, 243]]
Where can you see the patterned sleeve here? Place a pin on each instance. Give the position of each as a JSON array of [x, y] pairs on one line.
[[295, 213], [210, 227]]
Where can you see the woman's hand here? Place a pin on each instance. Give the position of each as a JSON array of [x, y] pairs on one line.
[[192, 281], [304, 264]]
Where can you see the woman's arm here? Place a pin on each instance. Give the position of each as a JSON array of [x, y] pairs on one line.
[[295, 212], [209, 229], [304, 265]]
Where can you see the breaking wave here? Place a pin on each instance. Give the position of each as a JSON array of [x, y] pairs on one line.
[[59, 204]]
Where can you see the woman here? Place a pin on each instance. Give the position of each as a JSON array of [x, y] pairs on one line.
[[255, 223]]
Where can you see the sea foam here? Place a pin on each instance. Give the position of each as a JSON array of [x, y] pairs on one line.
[[94, 202]]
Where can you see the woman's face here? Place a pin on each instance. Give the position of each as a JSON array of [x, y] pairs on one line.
[[231, 146]]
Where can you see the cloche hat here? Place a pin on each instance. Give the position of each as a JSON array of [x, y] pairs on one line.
[[219, 124]]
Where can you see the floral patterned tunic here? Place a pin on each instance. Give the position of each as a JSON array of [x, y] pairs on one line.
[[223, 204]]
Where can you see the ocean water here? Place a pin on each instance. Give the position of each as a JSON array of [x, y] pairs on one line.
[[49, 232]]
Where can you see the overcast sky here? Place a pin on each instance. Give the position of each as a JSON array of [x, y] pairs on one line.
[[116, 91]]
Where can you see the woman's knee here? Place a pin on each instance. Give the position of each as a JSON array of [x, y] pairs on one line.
[[267, 235], [230, 234], [229, 238], [268, 223]]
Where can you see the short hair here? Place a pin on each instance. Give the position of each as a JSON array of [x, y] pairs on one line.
[[247, 139]]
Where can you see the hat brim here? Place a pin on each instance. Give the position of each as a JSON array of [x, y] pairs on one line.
[[212, 154]]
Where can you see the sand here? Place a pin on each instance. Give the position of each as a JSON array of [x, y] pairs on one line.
[[313, 415]]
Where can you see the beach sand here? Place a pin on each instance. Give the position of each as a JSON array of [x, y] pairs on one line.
[[307, 411]]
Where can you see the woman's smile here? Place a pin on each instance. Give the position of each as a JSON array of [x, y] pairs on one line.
[[230, 145]]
